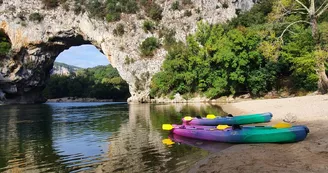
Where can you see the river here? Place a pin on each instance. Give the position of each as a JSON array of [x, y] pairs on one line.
[[102, 137]]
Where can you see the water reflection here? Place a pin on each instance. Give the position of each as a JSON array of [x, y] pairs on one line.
[[72, 137], [138, 147], [205, 145], [26, 139]]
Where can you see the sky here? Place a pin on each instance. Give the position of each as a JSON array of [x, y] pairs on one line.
[[84, 56]]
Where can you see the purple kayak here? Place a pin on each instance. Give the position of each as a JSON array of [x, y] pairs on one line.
[[242, 134]]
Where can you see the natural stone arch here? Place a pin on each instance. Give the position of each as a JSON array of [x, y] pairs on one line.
[[34, 37], [37, 41], [25, 71]]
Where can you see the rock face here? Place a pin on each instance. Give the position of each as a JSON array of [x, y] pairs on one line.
[[244, 5], [36, 44], [64, 69]]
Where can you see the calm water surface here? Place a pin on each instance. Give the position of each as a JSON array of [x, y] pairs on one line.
[[104, 137]]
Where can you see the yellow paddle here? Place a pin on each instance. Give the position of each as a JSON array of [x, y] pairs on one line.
[[282, 125], [187, 118], [167, 142], [222, 127], [210, 116], [167, 127]]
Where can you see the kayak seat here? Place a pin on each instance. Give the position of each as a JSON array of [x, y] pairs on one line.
[[236, 127], [229, 115]]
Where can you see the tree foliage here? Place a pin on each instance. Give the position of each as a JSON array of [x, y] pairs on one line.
[[216, 62], [102, 82], [257, 15], [244, 55]]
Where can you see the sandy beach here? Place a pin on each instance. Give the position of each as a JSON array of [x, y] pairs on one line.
[[310, 155]]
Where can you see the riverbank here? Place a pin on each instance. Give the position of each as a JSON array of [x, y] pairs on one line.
[[310, 155], [74, 99]]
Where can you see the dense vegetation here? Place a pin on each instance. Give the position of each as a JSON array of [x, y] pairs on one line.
[[5, 44], [102, 82], [253, 53]]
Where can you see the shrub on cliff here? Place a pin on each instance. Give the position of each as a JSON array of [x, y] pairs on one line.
[[225, 5], [79, 7], [154, 11], [111, 9], [187, 13], [96, 9], [50, 4], [169, 39], [149, 46], [4, 43], [66, 6], [119, 30], [36, 17], [112, 17], [148, 26], [186, 2], [175, 5]]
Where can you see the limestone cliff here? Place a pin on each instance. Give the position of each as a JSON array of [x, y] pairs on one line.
[[37, 43], [63, 69]]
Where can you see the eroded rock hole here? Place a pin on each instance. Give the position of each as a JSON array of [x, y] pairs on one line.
[[84, 73]]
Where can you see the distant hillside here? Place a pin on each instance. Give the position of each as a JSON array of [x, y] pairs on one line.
[[64, 69], [101, 82]]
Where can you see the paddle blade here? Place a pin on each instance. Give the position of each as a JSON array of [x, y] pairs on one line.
[[187, 118], [167, 127], [222, 127], [210, 116], [167, 142], [282, 125]]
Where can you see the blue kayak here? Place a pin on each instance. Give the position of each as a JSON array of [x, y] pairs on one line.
[[229, 120]]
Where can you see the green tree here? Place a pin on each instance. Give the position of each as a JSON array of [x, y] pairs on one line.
[[101, 82], [255, 16], [309, 12], [217, 62], [298, 51]]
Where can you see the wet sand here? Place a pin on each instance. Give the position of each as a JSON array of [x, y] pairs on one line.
[[310, 155]]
